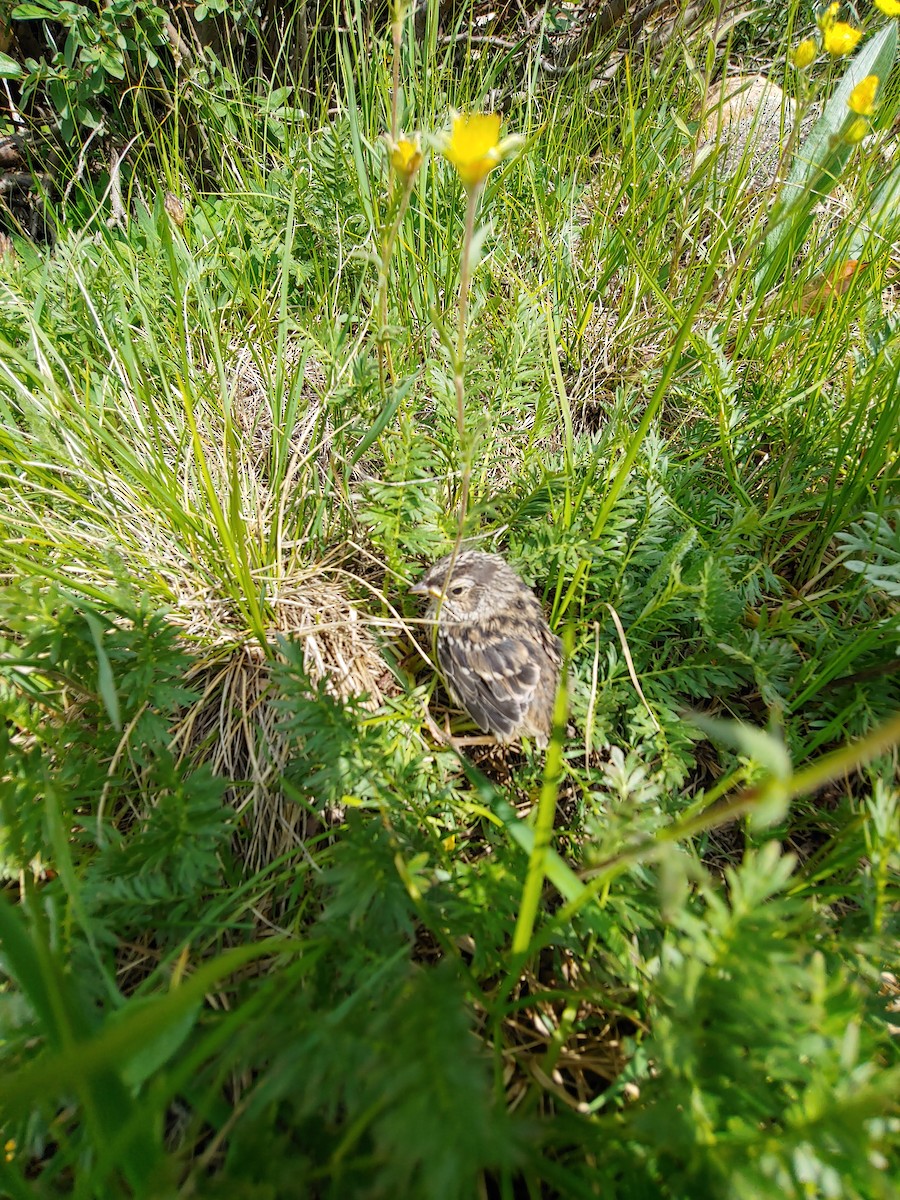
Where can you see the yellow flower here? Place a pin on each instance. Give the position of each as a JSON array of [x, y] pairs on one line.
[[890, 8], [839, 38], [862, 98], [805, 53], [474, 145], [406, 156], [857, 131], [9, 1150]]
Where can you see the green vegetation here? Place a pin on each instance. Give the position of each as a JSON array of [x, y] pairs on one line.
[[264, 934]]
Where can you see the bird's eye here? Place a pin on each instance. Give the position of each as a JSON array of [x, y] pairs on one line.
[[457, 589]]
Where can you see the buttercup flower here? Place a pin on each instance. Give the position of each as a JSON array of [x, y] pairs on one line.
[[862, 98], [406, 155], [474, 146], [805, 53], [857, 131], [839, 38], [890, 8]]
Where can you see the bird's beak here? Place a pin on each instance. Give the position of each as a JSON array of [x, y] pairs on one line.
[[423, 589]]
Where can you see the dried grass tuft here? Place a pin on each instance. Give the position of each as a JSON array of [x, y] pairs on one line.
[[235, 726]]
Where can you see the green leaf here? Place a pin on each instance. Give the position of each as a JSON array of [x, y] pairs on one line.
[[9, 68], [875, 230], [773, 794], [77, 1064], [36, 12], [156, 1049], [557, 870], [381, 422], [105, 679], [66, 1019], [763, 748], [112, 63], [876, 57], [35, 972]]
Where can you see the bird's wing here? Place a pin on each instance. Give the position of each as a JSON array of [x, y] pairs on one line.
[[494, 678], [552, 644]]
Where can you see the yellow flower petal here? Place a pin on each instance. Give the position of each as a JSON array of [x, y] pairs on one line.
[[406, 156], [839, 38], [890, 8], [862, 98], [825, 19], [805, 53], [857, 131], [474, 146]]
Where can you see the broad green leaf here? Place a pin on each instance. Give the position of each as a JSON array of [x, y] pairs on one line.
[[155, 1050], [763, 748], [60, 1008], [9, 68], [80, 1063], [36, 12], [496, 806], [383, 419], [24, 959]]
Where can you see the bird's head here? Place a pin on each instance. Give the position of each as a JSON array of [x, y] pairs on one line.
[[464, 589]]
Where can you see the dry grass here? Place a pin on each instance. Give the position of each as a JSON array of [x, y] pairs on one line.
[[251, 406], [560, 1040], [235, 725]]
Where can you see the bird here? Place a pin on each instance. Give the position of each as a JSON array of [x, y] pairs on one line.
[[498, 655]]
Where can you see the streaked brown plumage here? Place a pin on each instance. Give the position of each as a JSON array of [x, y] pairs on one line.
[[494, 646]]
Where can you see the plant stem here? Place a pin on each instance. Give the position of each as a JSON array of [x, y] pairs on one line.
[[388, 240], [397, 35], [472, 196], [823, 770], [546, 811]]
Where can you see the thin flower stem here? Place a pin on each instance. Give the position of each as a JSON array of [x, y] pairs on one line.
[[683, 223], [388, 241], [397, 33], [472, 195]]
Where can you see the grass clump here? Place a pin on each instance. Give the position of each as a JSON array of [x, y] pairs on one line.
[[264, 934]]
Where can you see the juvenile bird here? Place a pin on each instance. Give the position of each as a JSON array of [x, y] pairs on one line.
[[499, 658]]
